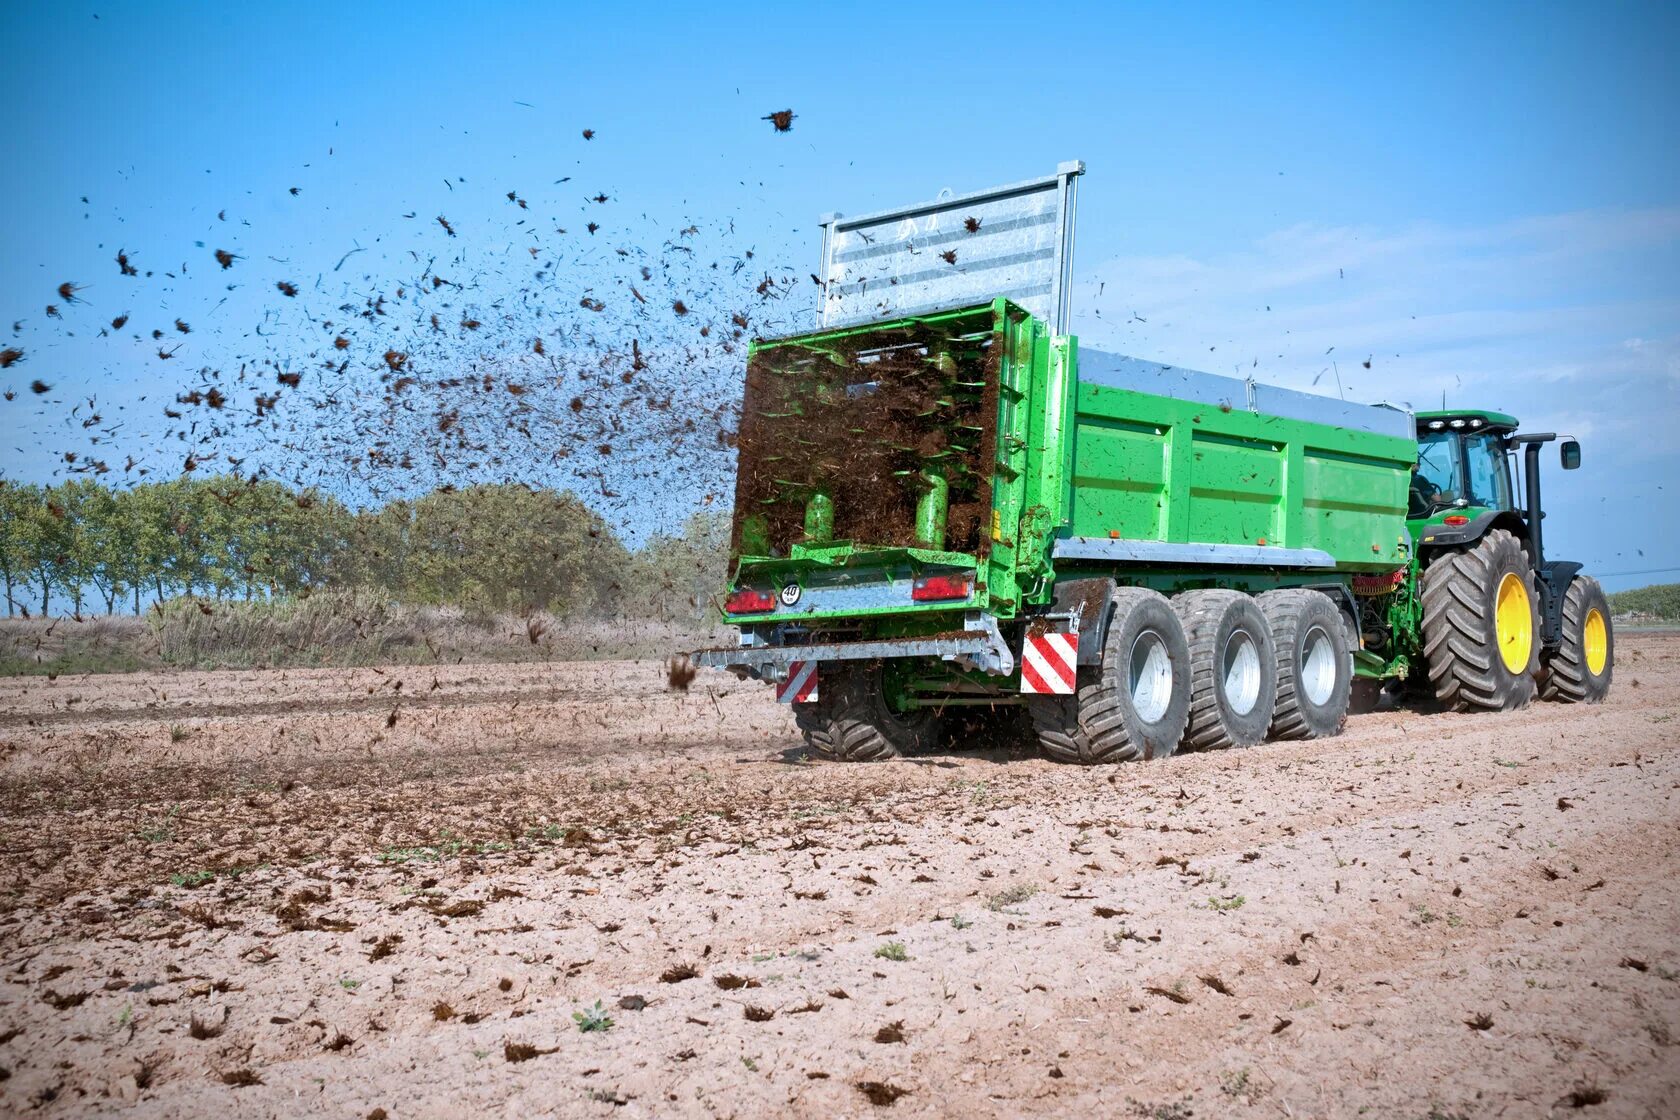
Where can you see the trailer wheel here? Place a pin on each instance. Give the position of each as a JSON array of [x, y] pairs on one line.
[[1135, 704], [1481, 625], [853, 721], [1314, 664], [1233, 669], [1579, 672]]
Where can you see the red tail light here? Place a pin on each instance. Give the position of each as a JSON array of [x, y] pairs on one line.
[[747, 600], [1455, 519], [935, 588]]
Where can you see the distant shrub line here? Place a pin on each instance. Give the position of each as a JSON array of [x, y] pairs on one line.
[[487, 550]]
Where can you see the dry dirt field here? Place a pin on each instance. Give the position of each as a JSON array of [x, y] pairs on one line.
[[393, 894]]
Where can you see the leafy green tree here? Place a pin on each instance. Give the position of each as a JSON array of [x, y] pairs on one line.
[[510, 547], [46, 543], [675, 577], [18, 504]]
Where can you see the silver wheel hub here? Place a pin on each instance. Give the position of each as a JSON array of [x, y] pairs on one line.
[[1316, 675], [1150, 676], [1241, 673]]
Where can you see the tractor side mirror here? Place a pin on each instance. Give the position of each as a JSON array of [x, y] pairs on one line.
[[1570, 452]]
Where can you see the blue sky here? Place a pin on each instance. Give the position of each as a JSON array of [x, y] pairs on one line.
[[1482, 201]]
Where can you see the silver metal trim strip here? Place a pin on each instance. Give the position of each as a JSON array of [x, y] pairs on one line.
[[1167, 552]]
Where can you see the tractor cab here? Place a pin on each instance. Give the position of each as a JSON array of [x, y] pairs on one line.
[[1463, 469]]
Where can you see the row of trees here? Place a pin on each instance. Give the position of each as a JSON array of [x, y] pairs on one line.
[[491, 548]]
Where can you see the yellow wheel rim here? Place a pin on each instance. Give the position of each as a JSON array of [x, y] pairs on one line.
[[1513, 621], [1595, 639]]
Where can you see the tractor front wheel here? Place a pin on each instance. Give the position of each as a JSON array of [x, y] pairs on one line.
[[1579, 672], [1481, 626]]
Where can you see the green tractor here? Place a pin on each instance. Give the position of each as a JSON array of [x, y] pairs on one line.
[[1498, 619]]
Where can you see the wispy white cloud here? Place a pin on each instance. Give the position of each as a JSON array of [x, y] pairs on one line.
[[1488, 314], [1571, 321]]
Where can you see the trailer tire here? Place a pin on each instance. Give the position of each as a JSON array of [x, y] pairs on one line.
[[1135, 704], [1314, 663], [1481, 625], [1580, 671], [1233, 669], [852, 721]]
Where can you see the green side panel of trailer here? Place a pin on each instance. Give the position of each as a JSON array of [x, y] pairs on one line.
[[1154, 468]]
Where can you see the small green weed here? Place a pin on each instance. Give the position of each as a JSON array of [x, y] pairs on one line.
[[593, 1019], [191, 878], [1226, 902], [349, 985], [960, 922], [178, 732], [892, 951], [159, 831]]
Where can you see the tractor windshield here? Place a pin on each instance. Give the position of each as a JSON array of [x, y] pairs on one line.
[[1455, 469], [1489, 480]]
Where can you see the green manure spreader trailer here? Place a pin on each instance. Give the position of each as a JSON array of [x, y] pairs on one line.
[[959, 508]]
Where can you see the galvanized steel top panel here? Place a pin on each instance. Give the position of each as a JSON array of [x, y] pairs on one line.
[[1014, 241], [1120, 372]]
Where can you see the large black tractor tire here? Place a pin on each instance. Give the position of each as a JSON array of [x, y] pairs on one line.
[[1314, 663], [1481, 626], [851, 720], [1580, 671], [1136, 703], [1233, 669]]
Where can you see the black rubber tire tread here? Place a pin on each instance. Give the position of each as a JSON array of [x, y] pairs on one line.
[[851, 721], [1291, 611], [1097, 725], [1210, 616], [1460, 640], [1567, 678]]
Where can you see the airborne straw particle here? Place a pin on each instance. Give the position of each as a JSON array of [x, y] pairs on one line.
[[781, 120], [122, 263], [67, 292], [38, 387], [286, 287], [589, 134], [225, 258], [10, 356], [447, 228]]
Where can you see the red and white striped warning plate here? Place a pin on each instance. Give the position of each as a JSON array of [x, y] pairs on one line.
[[1050, 664], [800, 686]]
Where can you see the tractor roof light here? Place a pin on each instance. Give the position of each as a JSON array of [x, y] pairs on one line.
[[1476, 423], [1437, 425], [1458, 423]]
